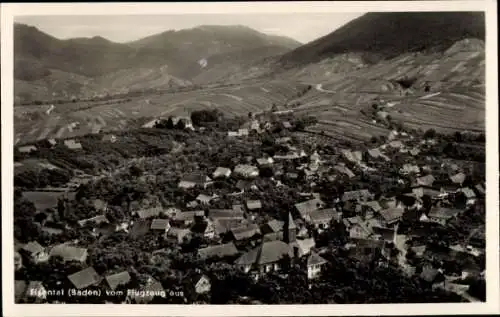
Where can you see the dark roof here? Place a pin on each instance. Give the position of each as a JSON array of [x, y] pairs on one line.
[[323, 215], [267, 252], [116, 279], [85, 278], [315, 259], [160, 224], [254, 204], [361, 194], [33, 247], [68, 252], [305, 207], [274, 226], [196, 178], [221, 250], [392, 214], [245, 231], [443, 213], [188, 215], [225, 213], [149, 212]]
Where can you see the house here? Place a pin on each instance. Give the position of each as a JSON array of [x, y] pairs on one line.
[[396, 144], [458, 178], [265, 161], [304, 246], [160, 225], [225, 214], [442, 215], [386, 234], [97, 220], [114, 280], [287, 125], [52, 142], [426, 180], [409, 169], [349, 156], [246, 185], [480, 189], [194, 180], [35, 252], [357, 195], [421, 191], [314, 265], [357, 228], [253, 204], [370, 208], [245, 232], [272, 227], [306, 207], [69, 253], [85, 278], [243, 132], [365, 249], [264, 258], [376, 153], [205, 199], [344, 170], [246, 171], [469, 195], [202, 283], [221, 172], [391, 216], [179, 234], [321, 218], [206, 228], [72, 144], [147, 292], [233, 134], [358, 155], [27, 149], [218, 251], [149, 212], [188, 217], [109, 138]]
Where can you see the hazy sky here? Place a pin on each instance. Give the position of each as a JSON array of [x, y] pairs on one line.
[[303, 27]]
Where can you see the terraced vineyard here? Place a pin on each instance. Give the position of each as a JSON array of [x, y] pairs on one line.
[[69, 120]]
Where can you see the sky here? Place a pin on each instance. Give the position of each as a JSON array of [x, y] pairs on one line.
[[303, 27]]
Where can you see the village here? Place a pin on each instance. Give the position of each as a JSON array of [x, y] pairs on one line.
[[265, 204]]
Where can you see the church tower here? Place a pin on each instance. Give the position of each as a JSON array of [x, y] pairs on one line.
[[290, 230]]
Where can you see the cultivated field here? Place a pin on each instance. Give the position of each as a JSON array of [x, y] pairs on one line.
[[69, 120]]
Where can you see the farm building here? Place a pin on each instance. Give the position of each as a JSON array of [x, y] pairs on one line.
[[254, 204], [114, 280], [221, 172], [442, 215], [85, 278], [72, 144], [109, 138], [193, 180], [160, 225], [27, 149], [247, 171], [69, 253]]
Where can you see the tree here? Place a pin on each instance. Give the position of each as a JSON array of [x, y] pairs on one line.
[[430, 134], [170, 123]]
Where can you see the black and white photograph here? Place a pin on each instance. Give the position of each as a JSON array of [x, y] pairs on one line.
[[250, 158]]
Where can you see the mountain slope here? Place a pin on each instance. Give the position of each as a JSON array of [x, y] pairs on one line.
[[46, 67], [384, 35]]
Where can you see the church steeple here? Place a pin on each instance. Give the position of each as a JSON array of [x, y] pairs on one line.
[[290, 230]]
